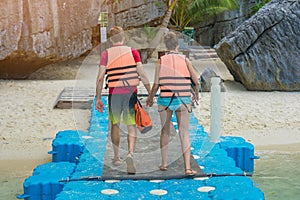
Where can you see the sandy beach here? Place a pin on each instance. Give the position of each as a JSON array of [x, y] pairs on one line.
[[29, 122], [262, 118], [269, 120]]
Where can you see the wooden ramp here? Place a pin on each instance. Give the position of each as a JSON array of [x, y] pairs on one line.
[[82, 98], [77, 98]]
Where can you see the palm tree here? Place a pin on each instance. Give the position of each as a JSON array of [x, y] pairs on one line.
[[181, 16], [187, 11], [167, 17], [162, 28]]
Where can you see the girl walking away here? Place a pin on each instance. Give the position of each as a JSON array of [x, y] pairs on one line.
[[174, 75]]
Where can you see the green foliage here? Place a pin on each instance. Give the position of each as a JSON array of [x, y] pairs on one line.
[[182, 15], [189, 12], [150, 32], [159, 3], [211, 8], [259, 5]]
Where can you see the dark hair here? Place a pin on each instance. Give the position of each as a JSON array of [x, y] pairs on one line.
[[116, 34], [171, 41]]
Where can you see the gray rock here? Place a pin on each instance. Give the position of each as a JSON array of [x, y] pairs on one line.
[[264, 52], [34, 33], [205, 80], [135, 13], [212, 30]]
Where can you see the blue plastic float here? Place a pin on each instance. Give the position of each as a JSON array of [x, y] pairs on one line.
[[77, 154]]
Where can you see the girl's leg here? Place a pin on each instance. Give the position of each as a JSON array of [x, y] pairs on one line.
[[165, 118], [183, 119]]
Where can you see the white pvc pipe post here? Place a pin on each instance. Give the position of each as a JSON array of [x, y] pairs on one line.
[[215, 110]]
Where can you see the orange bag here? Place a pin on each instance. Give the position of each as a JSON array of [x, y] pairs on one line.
[[142, 119]]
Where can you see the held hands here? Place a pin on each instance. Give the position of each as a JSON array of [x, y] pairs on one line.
[[195, 99], [149, 101], [99, 105]]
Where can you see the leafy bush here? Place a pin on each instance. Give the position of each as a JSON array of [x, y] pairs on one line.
[[259, 5]]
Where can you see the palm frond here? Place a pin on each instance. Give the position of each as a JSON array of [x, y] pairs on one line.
[[200, 9]]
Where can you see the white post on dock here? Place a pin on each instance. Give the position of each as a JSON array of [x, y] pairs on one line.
[[102, 21], [215, 110]]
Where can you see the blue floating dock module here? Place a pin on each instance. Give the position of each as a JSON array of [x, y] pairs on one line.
[[83, 190], [129, 189], [234, 187], [241, 151], [66, 168], [71, 134], [88, 166], [45, 181], [91, 161], [215, 161], [99, 121], [220, 160], [66, 149], [98, 115], [198, 188], [69, 145], [98, 128]]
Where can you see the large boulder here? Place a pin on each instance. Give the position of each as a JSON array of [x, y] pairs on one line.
[[135, 13], [213, 29], [264, 52], [38, 32]]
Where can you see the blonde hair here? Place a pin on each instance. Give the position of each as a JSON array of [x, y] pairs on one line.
[[116, 34], [171, 41]]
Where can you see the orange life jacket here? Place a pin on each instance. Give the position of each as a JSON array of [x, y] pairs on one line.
[[121, 67], [174, 76]]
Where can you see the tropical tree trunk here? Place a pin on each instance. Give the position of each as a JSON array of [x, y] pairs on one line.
[[167, 17], [163, 27]]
